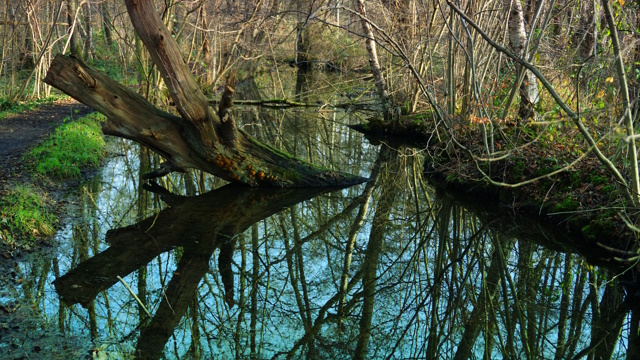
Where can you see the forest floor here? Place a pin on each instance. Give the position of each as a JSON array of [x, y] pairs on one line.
[[23, 333]]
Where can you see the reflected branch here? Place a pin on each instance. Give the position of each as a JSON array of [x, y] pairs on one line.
[[225, 211], [197, 224]]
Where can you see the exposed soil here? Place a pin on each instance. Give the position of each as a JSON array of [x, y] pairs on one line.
[[23, 334], [20, 132]]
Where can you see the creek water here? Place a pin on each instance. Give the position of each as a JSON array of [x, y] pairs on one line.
[[194, 268]]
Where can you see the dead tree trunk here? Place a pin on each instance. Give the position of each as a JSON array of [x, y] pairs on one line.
[[195, 139]]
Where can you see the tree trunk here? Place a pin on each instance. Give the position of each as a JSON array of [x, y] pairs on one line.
[[374, 63], [88, 39], [518, 37], [633, 352], [390, 185], [479, 315], [106, 23], [197, 138], [606, 325], [74, 43]]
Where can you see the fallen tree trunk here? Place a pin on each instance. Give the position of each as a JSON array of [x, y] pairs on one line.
[[195, 139]]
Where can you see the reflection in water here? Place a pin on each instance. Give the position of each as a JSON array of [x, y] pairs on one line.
[[195, 225], [387, 269]]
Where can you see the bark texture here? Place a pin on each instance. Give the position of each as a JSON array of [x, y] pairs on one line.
[[529, 95], [195, 139]]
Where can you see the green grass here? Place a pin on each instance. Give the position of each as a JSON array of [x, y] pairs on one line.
[[24, 218], [8, 107], [74, 146]]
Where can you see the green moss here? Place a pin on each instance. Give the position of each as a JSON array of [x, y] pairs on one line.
[[286, 155], [74, 146], [271, 148], [601, 228], [576, 179], [290, 175], [518, 170], [608, 189], [24, 218], [568, 204], [597, 180]]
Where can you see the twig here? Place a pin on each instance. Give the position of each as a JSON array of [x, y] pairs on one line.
[[574, 117], [286, 103], [134, 296]]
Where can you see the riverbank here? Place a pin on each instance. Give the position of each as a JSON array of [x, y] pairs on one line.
[[23, 333], [554, 181]]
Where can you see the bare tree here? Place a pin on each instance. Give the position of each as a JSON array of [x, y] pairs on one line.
[[200, 138]]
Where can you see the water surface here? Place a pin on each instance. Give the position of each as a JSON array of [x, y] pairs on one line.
[[194, 268]]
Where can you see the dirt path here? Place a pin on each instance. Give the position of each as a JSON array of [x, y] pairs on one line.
[[23, 333], [20, 132]]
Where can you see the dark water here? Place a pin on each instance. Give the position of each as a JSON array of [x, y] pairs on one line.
[[388, 269]]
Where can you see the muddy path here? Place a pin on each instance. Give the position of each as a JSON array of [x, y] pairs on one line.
[[23, 332], [20, 132]]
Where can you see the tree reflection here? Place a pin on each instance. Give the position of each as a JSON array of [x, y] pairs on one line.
[[197, 225], [390, 269]]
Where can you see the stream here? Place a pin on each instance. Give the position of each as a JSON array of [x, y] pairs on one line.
[[192, 267]]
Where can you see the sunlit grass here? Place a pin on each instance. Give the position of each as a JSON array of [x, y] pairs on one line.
[[24, 218], [8, 107], [74, 146]]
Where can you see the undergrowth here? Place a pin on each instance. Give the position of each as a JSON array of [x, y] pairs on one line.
[[24, 214], [8, 107]]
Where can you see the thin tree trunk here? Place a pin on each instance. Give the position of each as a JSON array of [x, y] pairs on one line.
[[451, 62], [587, 30], [374, 62], [255, 279], [389, 184], [351, 240], [529, 95], [624, 91], [502, 249], [633, 352], [74, 42], [564, 307], [106, 23], [88, 39], [607, 326]]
